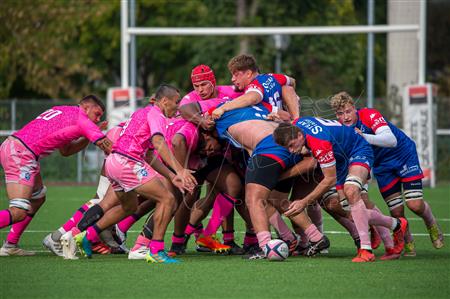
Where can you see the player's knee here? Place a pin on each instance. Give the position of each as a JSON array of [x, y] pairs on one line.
[[352, 187], [19, 208], [417, 206], [39, 194], [332, 204], [352, 193]]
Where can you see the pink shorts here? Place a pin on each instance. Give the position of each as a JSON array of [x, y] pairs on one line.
[[18, 162], [126, 174]]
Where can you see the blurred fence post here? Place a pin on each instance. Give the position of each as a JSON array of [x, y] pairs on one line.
[[13, 114], [80, 167]]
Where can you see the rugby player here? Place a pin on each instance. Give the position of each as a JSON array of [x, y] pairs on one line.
[[345, 159], [67, 128], [396, 165]]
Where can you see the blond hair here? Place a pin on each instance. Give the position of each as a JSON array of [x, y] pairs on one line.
[[341, 99]]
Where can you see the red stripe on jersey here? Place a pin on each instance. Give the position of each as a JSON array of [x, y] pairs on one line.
[[281, 79], [372, 118]]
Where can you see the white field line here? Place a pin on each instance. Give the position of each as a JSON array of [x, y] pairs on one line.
[[330, 232]]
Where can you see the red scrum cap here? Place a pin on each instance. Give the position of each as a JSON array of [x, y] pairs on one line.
[[202, 73]]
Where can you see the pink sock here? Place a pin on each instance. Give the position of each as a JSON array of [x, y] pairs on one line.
[[313, 234], [348, 225], [377, 218], [427, 215], [385, 233], [73, 221], [5, 218], [156, 246], [315, 214], [92, 234], [177, 239], [228, 236], [190, 229], [303, 238], [75, 231], [141, 241], [17, 230], [361, 220], [250, 239], [263, 238], [128, 222], [283, 230], [222, 207]]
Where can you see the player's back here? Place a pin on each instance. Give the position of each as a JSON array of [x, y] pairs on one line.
[[52, 129], [319, 130], [134, 139], [229, 118]]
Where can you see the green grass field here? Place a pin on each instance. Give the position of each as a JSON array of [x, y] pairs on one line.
[[214, 276]]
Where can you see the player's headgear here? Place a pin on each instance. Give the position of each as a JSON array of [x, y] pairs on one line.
[[202, 73]]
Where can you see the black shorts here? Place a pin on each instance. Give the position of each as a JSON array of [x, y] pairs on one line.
[[264, 171], [212, 163]]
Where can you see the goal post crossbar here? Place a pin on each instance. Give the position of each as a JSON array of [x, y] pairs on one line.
[[305, 30]]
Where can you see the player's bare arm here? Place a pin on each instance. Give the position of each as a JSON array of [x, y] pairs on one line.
[[245, 100], [329, 180], [291, 100], [105, 145], [160, 145], [304, 166], [157, 165], [192, 113], [74, 147]]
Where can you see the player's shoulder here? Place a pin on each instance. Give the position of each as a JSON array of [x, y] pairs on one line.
[[368, 112]]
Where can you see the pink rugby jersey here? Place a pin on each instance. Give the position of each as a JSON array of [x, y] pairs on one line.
[[57, 127], [225, 93], [136, 135]]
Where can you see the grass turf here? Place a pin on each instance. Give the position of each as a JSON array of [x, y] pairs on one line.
[[214, 276]]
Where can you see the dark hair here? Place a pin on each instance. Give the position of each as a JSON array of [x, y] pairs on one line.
[[93, 99], [165, 90], [285, 132], [243, 62]]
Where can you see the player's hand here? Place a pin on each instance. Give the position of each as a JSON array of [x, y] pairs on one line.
[[103, 125], [207, 124], [279, 116], [358, 131], [217, 113], [296, 207], [178, 182], [187, 177], [105, 145]]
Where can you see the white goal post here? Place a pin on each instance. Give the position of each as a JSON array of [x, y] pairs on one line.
[[127, 32]]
